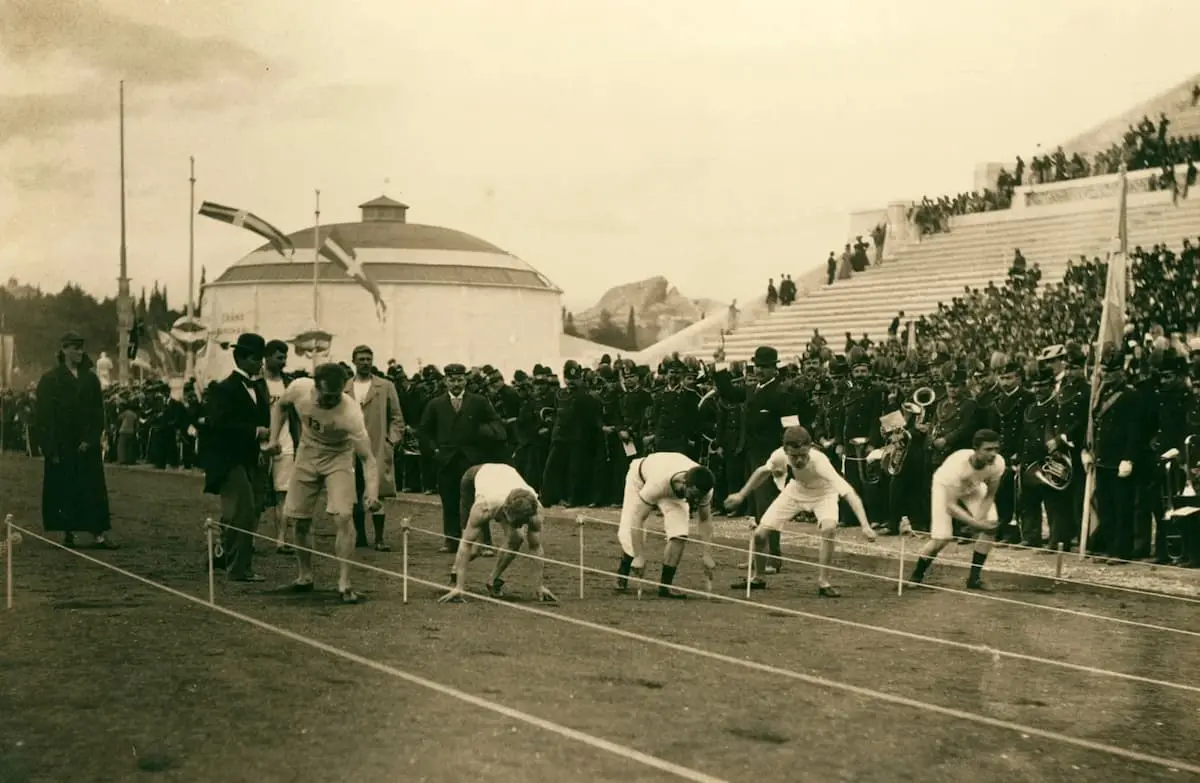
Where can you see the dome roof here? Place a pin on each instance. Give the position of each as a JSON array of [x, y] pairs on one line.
[[392, 250]]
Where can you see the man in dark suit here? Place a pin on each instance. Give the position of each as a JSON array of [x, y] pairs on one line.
[[463, 428], [1111, 454], [237, 418]]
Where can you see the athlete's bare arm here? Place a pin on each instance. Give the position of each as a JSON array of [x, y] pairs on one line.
[[475, 522], [705, 529], [860, 512], [533, 534], [760, 475]]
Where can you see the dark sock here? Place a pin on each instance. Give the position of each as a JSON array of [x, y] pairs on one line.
[[625, 566], [379, 520], [923, 563], [668, 575], [623, 571], [977, 565]]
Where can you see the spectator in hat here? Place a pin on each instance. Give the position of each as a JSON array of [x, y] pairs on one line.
[[70, 420], [238, 418], [462, 427], [385, 424]]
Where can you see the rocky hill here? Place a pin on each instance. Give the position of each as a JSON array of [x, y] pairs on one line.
[[660, 311]]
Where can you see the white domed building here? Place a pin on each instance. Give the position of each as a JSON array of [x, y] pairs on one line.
[[450, 297]]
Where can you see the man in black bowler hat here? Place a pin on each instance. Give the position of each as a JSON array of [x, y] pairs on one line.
[[238, 419]]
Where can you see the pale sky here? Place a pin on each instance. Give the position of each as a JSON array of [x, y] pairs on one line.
[[602, 141]]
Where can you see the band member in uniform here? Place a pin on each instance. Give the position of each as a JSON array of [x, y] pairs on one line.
[[1114, 446], [1072, 395], [964, 489], [863, 407], [1038, 440], [495, 492], [674, 484], [814, 489], [1006, 415], [953, 420]]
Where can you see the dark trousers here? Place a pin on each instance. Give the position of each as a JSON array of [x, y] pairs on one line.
[[1113, 532], [609, 466], [1033, 497], [1006, 510], [449, 483], [360, 512], [568, 473], [241, 502]]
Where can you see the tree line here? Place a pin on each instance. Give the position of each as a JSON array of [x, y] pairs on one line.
[[37, 320], [606, 331]]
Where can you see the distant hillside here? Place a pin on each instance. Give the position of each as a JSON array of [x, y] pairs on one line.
[[659, 309]]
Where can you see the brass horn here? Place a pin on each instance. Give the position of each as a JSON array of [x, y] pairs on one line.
[[924, 396]]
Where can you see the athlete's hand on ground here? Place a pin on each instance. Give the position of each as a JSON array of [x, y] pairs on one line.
[[454, 596], [733, 501], [710, 566], [870, 534], [545, 596]]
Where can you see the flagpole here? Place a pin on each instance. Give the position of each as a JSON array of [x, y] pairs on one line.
[[191, 351], [316, 263], [124, 305], [1112, 326]]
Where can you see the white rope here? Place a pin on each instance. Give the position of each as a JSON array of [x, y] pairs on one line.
[[965, 593], [799, 534], [962, 563], [599, 743], [976, 648], [1133, 755]]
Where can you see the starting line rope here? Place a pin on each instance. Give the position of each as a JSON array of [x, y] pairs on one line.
[[599, 743], [583, 569], [651, 761], [964, 593]]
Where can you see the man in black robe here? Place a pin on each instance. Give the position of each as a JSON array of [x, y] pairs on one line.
[[70, 420]]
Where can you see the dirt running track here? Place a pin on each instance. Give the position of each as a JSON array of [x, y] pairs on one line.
[[106, 679]]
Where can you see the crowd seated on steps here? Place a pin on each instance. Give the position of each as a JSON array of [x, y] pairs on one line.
[[1144, 146]]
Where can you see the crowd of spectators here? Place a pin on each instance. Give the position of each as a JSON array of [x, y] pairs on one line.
[[1146, 145]]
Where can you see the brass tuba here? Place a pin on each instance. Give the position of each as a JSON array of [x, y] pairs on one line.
[[922, 398], [1055, 472], [896, 452]]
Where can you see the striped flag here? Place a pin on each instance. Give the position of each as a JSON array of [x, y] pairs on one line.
[[337, 250], [251, 222]]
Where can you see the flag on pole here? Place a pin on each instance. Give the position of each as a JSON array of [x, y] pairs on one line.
[[251, 222], [1111, 333], [337, 250]]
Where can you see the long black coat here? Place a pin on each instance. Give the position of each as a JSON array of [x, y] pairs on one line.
[[70, 412], [232, 417]]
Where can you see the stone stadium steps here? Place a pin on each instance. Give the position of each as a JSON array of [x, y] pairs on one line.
[[939, 268]]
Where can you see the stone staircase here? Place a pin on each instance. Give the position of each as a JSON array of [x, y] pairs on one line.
[[938, 269]]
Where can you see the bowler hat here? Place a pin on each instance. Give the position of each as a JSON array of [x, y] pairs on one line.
[[766, 356], [250, 343]]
